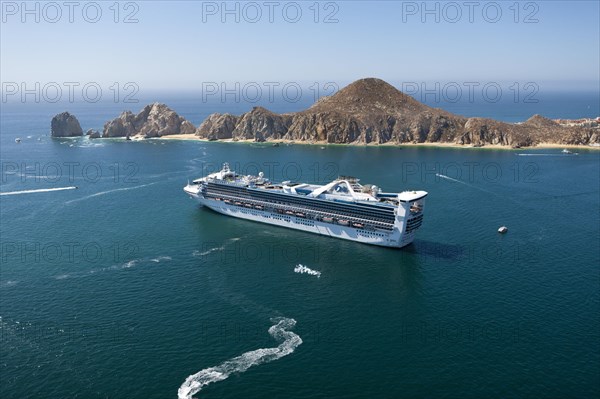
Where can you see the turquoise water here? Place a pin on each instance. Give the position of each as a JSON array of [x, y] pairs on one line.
[[125, 287]]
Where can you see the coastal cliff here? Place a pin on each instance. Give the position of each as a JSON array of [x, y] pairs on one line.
[[373, 111], [368, 111], [155, 120]]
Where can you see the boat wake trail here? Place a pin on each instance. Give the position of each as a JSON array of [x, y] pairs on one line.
[[305, 270], [215, 249], [160, 259], [280, 331], [541, 155], [109, 192], [123, 266], [208, 251], [471, 185], [41, 190], [449, 178]]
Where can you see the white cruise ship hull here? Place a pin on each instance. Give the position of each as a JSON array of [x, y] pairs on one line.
[[341, 209], [384, 238]]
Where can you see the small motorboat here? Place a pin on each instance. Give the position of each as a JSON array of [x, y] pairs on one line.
[[565, 151], [503, 230], [18, 140]]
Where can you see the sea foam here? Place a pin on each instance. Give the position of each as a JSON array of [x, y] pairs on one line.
[[305, 270], [280, 331]]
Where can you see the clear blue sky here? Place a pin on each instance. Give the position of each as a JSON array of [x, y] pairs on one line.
[[179, 45]]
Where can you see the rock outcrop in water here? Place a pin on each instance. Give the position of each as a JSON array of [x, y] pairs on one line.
[[65, 125], [155, 120], [92, 134], [373, 111]]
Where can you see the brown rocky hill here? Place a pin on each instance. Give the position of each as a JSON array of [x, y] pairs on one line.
[[155, 120], [373, 111]]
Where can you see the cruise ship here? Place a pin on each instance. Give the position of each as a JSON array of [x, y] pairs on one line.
[[342, 209]]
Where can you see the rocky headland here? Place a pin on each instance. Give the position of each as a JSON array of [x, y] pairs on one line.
[[373, 111], [368, 111], [155, 120]]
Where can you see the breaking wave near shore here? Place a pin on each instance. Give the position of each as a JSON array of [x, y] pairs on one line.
[[280, 331]]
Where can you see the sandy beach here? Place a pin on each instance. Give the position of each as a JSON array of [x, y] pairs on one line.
[[324, 143]]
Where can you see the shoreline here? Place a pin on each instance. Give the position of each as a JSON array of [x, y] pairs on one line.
[[193, 137]]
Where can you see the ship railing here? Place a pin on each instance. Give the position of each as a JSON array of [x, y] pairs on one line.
[[355, 219]]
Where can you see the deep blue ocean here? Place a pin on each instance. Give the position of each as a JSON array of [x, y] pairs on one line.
[[125, 288]]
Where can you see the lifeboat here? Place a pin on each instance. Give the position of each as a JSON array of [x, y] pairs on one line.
[[327, 220], [343, 222]]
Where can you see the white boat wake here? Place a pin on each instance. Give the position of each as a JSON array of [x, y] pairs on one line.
[[449, 178], [127, 265], [215, 249], [541, 155], [208, 251], [40, 190], [305, 270], [109, 192], [471, 185], [280, 331]]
